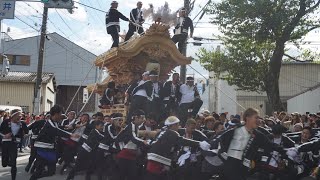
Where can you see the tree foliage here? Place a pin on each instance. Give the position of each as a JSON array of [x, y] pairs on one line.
[[255, 33], [246, 64]]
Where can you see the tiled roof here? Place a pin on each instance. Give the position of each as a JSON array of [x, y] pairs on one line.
[[25, 77]]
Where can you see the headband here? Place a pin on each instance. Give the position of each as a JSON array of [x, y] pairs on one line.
[[231, 123], [15, 113]]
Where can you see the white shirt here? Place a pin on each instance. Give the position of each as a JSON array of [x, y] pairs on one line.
[[179, 29], [78, 131], [141, 92], [138, 15], [181, 19], [173, 89], [15, 128], [275, 155], [238, 143], [156, 89], [187, 94], [277, 140]]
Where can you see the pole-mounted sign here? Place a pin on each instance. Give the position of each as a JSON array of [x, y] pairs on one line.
[[85, 95], [7, 8]]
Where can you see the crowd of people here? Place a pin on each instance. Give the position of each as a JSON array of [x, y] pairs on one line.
[[210, 145]]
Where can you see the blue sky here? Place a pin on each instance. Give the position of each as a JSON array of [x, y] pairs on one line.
[[86, 26]]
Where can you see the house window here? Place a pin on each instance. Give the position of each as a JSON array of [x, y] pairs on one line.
[[23, 60], [25, 108]]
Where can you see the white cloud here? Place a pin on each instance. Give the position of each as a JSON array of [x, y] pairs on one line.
[[95, 40]]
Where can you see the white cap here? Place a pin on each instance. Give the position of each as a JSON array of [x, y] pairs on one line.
[[298, 124], [146, 73], [171, 120], [206, 112]]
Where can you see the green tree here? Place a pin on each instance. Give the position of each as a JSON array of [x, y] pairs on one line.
[[255, 33]]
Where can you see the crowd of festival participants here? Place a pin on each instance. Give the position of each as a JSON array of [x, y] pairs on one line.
[[164, 136]]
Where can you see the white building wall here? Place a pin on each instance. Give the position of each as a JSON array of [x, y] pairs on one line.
[[226, 99], [227, 96], [49, 98], [306, 102]]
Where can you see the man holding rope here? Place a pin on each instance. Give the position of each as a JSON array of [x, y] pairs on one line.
[[113, 24], [136, 16]]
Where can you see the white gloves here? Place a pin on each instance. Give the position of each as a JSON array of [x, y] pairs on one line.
[[204, 145], [182, 159], [292, 153]]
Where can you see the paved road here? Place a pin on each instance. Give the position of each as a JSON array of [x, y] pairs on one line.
[[22, 175]]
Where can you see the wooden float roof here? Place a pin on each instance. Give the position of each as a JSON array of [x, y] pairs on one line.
[[131, 58]]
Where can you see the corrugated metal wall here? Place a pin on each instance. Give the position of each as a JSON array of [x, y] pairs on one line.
[[253, 102], [294, 78], [306, 102], [18, 94]]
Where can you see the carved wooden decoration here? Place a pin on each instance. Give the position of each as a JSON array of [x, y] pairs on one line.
[[130, 60]]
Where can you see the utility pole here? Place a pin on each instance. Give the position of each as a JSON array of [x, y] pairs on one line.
[[1, 37], [37, 89], [216, 80], [183, 68]]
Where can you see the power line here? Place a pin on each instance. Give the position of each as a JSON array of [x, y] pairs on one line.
[[65, 47], [27, 16], [65, 22], [235, 101], [91, 7], [48, 18], [15, 45], [73, 33], [89, 1], [202, 9], [54, 23], [26, 23], [99, 3]]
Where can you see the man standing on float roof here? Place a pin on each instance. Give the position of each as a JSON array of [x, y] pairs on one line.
[[182, 28], [136, 16], [113, 23]]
